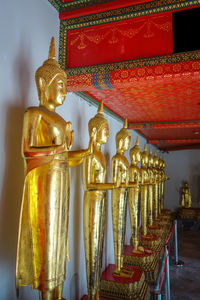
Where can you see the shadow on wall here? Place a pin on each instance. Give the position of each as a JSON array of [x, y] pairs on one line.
[[195, 185], [76, 174], [13, 173]]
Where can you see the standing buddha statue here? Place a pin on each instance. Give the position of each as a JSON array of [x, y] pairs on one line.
[[120, 170], [186, 199], [47, 138], [153, 227], [159, 169], [156, 180], [148, 239], [133, 197], [144, 189], [121, 281], [150, 189], [94, 207], [138, 255]]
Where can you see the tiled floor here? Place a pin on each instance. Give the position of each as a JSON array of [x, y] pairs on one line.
[[185, 281]]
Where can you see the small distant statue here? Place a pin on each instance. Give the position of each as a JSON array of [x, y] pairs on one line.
[[186, 199]]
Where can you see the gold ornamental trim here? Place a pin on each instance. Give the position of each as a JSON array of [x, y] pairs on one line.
[[129, 12], [137, 63]]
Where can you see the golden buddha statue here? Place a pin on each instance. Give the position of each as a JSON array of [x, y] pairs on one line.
[[120, 170], [153, 228], [94, 210], [46, 141], [150, 188], [155, 186], [159, 169], [133, 196], [164, 178], [186, 199], [144, 189]]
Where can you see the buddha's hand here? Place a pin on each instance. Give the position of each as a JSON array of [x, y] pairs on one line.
[[69, 136], [91, 144], [118, 181]]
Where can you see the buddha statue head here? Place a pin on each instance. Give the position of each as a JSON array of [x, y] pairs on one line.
[[51, 81], [185, 184], [155, 160], [135, 153], [123, 138], [150, 162], [98, 126], [144, 156]]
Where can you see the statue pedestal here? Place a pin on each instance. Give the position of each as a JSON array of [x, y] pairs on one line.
[[154, 242], [163, 221], [146, 261], [189, 213], [188, 218], [134, 288], [159, 230]]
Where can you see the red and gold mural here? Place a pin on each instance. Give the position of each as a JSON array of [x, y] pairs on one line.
[[120, 41]]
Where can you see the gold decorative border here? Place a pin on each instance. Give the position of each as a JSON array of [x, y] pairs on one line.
[[145, 263], [129, 12], [137, 63], [76, 4]]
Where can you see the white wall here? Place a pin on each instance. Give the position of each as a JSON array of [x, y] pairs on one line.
[[182, 166], [26, 27]]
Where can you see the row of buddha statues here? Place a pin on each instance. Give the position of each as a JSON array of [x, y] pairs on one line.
[[42, 240]]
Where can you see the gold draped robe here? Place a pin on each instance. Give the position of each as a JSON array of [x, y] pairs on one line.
[[43, 229]]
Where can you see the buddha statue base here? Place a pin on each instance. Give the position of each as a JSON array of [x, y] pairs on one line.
[[158, 230], [154, 242], [188, 213], [147, 261], [134, 288], [161, 220]]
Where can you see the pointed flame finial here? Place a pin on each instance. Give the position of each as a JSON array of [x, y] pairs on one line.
[[125, 124], [52, 52], [145, 147], [137, 141], [150, 151], [155, 154], [100, 108]]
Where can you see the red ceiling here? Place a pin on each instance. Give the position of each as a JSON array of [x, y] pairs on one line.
[[108, 59], [171, 134], [175, 98]]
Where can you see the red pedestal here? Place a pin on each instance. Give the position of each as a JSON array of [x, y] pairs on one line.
[[108, 275], [147, 261], [133, 288]]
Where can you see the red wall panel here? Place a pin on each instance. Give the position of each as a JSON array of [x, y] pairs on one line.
[[120, 41]]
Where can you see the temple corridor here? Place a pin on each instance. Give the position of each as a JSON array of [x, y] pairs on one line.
[[185, 281]]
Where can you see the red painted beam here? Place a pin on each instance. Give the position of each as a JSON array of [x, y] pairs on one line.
[[178, 141], [178, 148], [163, 125], [98, 8]]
